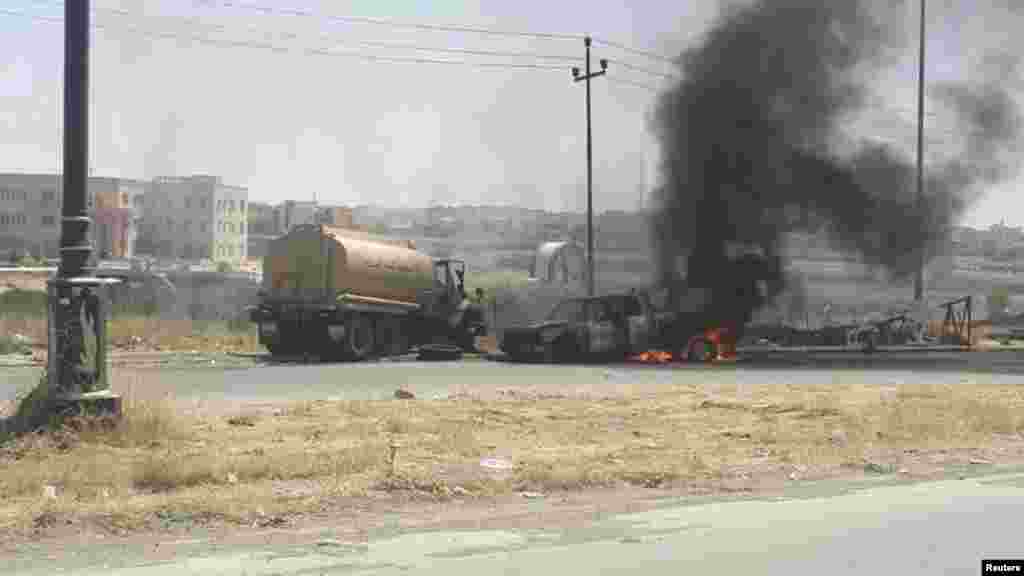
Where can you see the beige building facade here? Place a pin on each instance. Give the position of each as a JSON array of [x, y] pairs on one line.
[[196, 218]]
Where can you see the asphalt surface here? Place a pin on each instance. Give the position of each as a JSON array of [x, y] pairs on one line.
[[880, 527], [250, 379]]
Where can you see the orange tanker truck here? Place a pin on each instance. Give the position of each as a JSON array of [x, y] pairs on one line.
[[341, 293]]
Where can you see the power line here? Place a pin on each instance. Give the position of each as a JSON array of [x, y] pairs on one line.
[[308, 51], [366, 43], [438, 27], [644, 70], [394, 24], [615, 80], [638, 52]]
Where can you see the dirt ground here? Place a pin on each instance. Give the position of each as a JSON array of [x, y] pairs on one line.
[[168, 472]]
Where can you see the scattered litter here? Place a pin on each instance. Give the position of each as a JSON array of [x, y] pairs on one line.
[[232, 478], [531, 495], [460, 491], [496, 464], [50, 492], [875, 468], [402, 394], [839, 438], [979, 461]]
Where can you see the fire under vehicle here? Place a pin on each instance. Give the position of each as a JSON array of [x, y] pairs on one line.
[[698, 321], [341, 293], [617, 327]]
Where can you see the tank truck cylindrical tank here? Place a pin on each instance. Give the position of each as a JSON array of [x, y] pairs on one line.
[[335, 292]]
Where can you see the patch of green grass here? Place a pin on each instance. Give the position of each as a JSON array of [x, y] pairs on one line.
[[12, 344], [33, 411], [19, 302]]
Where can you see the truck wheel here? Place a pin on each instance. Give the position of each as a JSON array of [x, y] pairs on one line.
[[359, 337], [550, 354]]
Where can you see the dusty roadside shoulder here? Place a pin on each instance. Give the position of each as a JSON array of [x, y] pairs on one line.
[[352, 525], [169, 467], [149, 358]]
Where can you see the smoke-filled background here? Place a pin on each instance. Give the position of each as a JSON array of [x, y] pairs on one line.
[[753, 146]]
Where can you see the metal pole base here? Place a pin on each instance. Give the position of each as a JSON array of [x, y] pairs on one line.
[[103, 403]]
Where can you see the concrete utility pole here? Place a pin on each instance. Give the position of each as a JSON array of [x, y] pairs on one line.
[[919, 278], [590, 160], [77, 375]]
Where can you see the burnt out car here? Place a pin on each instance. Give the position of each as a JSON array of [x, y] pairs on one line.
[[600, 328]]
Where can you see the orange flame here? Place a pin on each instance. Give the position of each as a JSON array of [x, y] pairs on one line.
[[653, 357]]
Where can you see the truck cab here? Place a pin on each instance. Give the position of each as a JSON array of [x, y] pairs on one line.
[[449, 282]]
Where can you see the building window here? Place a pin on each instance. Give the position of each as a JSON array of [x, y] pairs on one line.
[[188, 226], [48, 196], [48, 221], [202, 226], [188, 203], [241, 205], [202, 203]]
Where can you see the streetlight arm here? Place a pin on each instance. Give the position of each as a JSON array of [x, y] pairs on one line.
[[588, 77]]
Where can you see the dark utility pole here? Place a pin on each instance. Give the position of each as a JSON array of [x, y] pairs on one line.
[[77, 341], [919, 278], [590, 160]]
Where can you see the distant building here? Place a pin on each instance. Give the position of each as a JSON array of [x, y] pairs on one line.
[[196, 217], [336, 216], [116, 212], [292, 213], [30, 212], [1004, 236], [262, 228]]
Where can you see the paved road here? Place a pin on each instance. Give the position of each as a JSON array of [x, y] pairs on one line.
[[248, 382], [944, 527]]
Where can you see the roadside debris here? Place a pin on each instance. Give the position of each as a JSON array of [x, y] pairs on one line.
[[403, 394], [496, 464]]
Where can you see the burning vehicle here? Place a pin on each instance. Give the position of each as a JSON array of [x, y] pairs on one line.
[[679, 323], [599, 328]]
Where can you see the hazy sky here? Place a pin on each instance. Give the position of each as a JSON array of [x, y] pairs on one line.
[[295, 125]]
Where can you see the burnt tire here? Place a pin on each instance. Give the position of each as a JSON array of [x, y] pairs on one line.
[[359, 337], [439, 353]]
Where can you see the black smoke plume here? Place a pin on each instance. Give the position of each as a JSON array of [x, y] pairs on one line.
[[750, 142]]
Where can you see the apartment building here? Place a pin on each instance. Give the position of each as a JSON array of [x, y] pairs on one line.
[[30, 214], [116, 213], [196, 218], [266, 221], [292, 213]]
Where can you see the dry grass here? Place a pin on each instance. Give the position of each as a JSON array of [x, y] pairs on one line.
[[149, 333], [159, 463]]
